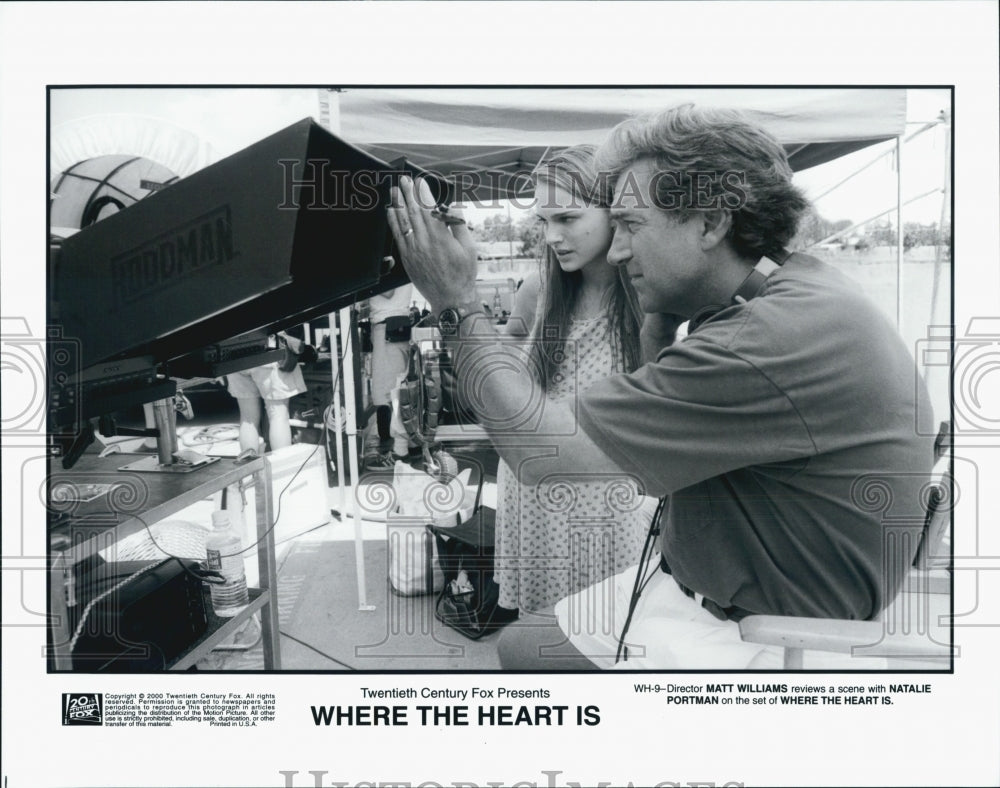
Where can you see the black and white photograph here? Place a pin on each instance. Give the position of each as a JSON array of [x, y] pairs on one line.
[[516, 405], [624, 463]]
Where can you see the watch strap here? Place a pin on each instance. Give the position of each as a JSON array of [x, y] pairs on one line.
[[463, 311]]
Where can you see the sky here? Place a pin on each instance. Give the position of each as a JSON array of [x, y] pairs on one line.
[[873, 190], [259, 112]]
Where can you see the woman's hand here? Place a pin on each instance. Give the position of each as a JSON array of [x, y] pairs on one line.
[[439, 258]]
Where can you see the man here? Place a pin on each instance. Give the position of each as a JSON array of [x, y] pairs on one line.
[[765, 428], [390, 321]]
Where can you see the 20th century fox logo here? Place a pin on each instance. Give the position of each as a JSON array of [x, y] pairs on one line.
[[80, 709]]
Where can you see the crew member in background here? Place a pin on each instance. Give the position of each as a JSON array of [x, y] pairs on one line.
[[391, 322], [275, 383]]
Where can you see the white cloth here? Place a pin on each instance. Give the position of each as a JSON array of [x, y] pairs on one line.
[[391, 303], [267, 382], [671, 631]]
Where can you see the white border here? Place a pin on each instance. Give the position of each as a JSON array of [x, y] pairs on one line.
[[948, 738]]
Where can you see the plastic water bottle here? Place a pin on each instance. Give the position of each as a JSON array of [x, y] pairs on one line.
[[497, 302], [223, 546]]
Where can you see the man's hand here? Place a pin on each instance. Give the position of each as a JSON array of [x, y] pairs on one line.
[[439, 258]]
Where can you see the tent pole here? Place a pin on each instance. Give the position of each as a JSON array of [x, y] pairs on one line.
[[349, 332], [856, 225], [342, 372], [945, 205], [899, 233]]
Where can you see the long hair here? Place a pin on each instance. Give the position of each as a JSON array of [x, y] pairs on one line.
[[573, 169]]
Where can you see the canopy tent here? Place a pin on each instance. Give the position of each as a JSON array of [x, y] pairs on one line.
[[504, 132]]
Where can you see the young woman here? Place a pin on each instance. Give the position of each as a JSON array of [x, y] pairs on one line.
[[580, 320]]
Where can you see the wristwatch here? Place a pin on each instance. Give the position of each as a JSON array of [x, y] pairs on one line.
[[451, 317]]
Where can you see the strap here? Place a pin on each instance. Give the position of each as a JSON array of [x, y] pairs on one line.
[[479, 491], [420, 397], [429, 560], [411, 395], [755, 280], [749, 288], [432, 396]]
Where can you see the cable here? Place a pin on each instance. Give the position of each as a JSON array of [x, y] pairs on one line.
[[330, 454], [303, 533], [313, 648], [274, 523], [90, 605], [212, 435], [210, 576], [640, 582], [277, 511]]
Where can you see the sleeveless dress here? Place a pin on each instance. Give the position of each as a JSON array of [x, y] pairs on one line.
[[571, 530]]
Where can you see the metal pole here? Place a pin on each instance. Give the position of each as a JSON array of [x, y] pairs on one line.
[[165, 418], [862, 223], [347, 334], [945, 207], [510, 238], [342, 371], [899, 233], [338, 425]]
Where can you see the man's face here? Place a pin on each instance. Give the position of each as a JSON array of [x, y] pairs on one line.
[[662, 255]]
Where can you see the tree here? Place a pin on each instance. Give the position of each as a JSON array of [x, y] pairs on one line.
[[914, 234], [528, 231], [881, 235], [495, 228], [814, 228]]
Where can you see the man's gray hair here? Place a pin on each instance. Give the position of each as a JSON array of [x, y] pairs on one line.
[[709, 158]]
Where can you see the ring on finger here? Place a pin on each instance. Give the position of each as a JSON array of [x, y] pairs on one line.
[[408, 232]]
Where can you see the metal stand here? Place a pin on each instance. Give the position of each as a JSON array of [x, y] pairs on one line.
[[168, 459]]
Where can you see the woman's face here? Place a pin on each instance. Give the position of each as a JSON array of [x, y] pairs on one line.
[[578, 234]]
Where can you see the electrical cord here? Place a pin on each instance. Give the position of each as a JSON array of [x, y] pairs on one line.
[[641, 582], [78, 631], [274, 523], [90, 605], [318, 651], [277, 511], [210, 576], [210, 435], [330, 453]]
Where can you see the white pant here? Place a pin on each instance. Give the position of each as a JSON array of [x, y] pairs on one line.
[[670, 630]]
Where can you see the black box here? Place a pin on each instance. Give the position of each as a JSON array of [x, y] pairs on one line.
[[289, 228], [144, 625]]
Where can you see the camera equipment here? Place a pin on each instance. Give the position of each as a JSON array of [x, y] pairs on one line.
[[199, 272]]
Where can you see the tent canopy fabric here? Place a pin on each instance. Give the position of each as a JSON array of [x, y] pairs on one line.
[[504, 132], [498, 132]]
